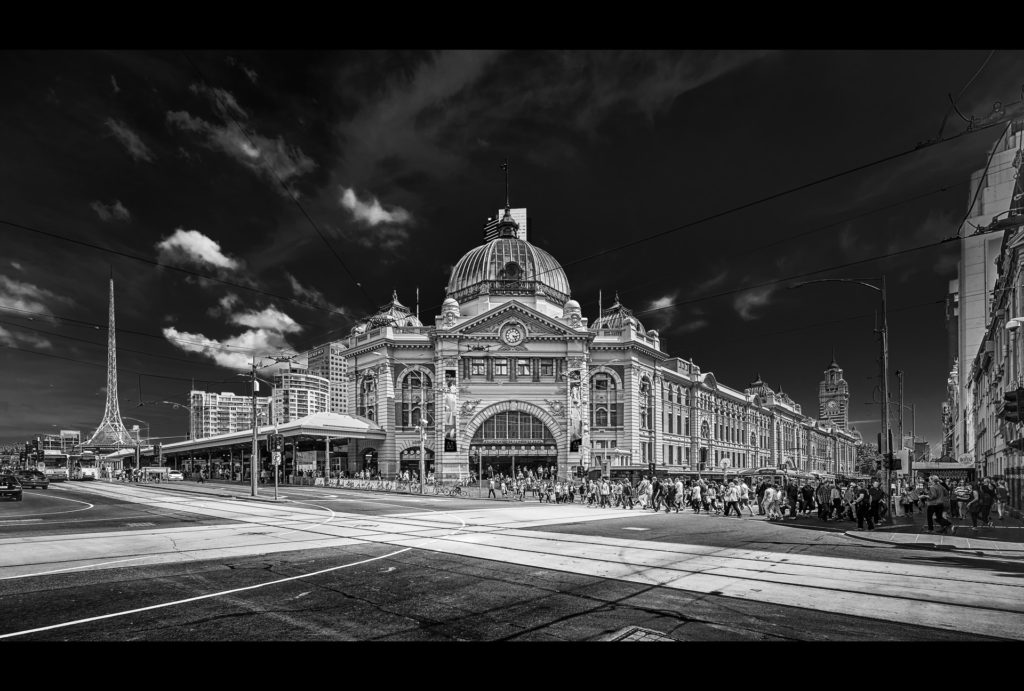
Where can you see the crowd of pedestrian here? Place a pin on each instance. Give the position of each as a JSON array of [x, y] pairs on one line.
[[962, 499]]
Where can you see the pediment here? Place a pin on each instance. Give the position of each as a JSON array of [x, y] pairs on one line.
[[536, 324]]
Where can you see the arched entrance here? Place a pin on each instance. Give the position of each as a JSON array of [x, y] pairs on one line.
[[409, 459], [513, 441]]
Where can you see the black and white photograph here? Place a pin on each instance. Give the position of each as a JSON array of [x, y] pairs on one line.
[[512, 345]]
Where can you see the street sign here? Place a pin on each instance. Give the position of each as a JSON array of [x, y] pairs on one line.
[[276, 458]]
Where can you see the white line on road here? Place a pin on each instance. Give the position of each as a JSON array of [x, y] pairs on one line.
[[232, 591], [72, 568]]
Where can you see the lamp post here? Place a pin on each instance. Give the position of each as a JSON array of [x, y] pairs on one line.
[[255, 418], [884, 362], [422, 429]]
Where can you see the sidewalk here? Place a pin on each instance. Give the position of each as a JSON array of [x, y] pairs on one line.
[[1004, 538]]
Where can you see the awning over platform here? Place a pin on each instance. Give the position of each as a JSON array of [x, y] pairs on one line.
[[325, 425]]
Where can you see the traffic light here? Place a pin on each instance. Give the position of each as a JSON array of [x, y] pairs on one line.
[[1012, 401], [158, 449], [277, 442], [652, 467]]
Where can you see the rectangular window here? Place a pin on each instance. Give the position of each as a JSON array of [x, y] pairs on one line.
[[687, 455], [601, 384], [669, 423], [547, 368], [501, 368], [478, 367], [522, 368], [687, 425]]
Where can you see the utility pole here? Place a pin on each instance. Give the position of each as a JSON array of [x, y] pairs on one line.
[[899, 377], [255, 426], [885, 396]]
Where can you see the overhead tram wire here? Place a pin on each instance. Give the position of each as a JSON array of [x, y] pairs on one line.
[[171, 267], [291, 195], [953, 101], [776, 195]]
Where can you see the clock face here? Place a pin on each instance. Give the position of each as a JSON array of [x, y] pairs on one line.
[[831, 406], [512, 335]]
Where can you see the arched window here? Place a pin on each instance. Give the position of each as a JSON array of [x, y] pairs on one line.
[[367, 404], [604, 395], [646, 404], [417, 399]]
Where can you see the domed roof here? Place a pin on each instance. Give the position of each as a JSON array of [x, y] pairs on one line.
[[450, 302], [508, 266], [393, 313], [572, 304], [618, 316]]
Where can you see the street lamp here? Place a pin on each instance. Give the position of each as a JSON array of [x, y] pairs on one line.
[[884, 362], [422, 429]]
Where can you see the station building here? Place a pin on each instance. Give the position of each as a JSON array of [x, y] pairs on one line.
[[511, 375]]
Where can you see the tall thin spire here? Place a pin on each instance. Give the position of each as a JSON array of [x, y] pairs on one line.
[[111, 431]]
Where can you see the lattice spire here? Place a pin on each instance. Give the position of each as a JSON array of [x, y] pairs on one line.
[[111, 431]]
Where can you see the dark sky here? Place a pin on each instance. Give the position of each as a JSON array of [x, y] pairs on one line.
[[394, 156]]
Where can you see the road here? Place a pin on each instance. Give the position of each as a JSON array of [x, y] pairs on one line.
[[112, 562]]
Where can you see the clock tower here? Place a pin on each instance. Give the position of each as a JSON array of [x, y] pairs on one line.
[[834, 397]]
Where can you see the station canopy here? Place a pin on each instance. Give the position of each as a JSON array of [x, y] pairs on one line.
[[323, 425]]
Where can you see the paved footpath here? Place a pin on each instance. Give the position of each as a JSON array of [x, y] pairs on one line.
[[972, 600]]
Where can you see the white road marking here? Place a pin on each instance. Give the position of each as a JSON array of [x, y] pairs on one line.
[[225, 592], [72, 568], [970, 600], [634, 528]]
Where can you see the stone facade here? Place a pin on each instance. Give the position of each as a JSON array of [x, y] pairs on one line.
[[516, 376]]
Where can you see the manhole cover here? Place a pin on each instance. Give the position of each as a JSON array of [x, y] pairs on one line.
[[637, 634]]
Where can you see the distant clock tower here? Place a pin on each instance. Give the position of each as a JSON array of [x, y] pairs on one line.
[[834, 397]]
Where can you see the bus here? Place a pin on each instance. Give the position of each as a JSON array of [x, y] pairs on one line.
[[54, 465], [84, 467]]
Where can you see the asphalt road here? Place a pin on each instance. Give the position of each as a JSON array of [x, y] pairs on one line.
[[332, 565]]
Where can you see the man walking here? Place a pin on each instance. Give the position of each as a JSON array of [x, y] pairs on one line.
[[791, 496], [762, 486], [936, 504], [877, 499], [490, 489], [824, 500], [656, 491], [862, 505]]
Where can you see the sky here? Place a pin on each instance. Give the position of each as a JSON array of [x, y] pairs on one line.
[[262, 202]]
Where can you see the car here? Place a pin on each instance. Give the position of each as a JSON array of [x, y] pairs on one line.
[[33, 478], [175, 475], [10, 487]]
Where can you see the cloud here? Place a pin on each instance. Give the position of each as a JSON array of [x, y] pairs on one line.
[[372, 213], [224, 306], [690, 327], [266, 334], [383, 238], [312, 295], [269, 319], [111, 212], [222, 101], [277, 161], [750, 300], [14, 339], [712, 282], [190, 247], [250, 73], [16, 265], [113, 82], [234, 352], [131, 141], [19, 295]]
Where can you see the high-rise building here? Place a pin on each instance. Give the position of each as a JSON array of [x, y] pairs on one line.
[[298, 393], [834, 397], [991, 193], [223, 413], [518, 215], [328, 362]]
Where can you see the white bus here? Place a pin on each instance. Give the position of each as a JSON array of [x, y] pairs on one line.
[[84, 467], [54, 465]]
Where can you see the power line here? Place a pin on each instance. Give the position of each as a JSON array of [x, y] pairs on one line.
[[153, 262], [227, 112]]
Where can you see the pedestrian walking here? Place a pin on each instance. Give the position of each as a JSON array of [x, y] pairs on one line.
[[1002, 498], [937, 495], [732, 498], [836, 499], [823, 499], [878, 501], [862, 505], [762, 487], [490, 489]]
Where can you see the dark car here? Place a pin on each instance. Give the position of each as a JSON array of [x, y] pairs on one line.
[[33, 479], [10, 487]]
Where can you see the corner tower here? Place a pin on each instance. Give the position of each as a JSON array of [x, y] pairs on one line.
[[834, 397]]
